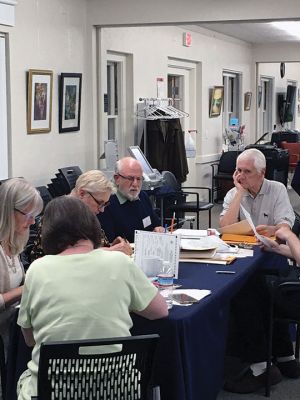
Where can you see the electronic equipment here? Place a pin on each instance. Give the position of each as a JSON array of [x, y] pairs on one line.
[[277, 162], [152, 177], [286, 104]]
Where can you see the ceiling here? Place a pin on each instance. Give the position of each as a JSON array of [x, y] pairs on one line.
[[252, 32]]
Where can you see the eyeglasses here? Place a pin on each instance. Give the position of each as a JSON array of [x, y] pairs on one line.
[[101, 204], [27, 215], [132, 178]]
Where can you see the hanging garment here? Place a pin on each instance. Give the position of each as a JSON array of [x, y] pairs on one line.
[[165, 149]]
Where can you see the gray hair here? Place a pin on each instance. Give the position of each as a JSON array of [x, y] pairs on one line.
[[128, 161], [258, 158], [16, 193], [93, 181]]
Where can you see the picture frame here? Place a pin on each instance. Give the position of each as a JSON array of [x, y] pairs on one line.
[[39, 101], [259, 96], [216, 101], [69, 102], [247, 101]]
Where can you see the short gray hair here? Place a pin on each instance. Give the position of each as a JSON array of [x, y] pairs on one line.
[[93, 181], [258, 158], [16, 193]]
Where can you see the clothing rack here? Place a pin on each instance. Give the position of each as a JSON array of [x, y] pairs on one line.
[[157, 108]]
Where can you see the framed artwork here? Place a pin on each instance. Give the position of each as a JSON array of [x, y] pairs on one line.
[[216, 101], [39, 101], [69, 102], [247, 101], [259, 96]]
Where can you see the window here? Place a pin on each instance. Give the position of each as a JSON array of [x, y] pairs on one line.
[[232, 96]]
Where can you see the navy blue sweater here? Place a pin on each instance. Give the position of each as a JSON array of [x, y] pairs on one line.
[[123, 219]]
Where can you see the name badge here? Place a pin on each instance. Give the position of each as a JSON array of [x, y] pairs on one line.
[[146, 221]]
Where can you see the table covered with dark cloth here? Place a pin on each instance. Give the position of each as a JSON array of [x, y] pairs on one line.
[[190, 357], [189, 362]]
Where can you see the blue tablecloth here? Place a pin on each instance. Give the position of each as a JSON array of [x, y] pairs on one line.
[[190, 357], [189, 363]]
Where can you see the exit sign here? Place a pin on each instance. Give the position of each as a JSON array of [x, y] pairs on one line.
[[187, 39]]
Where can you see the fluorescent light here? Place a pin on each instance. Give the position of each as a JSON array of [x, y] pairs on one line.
[[290, 27]]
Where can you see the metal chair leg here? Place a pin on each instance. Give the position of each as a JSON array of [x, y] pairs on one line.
[[270, 346], [2, 369], [297, 342]]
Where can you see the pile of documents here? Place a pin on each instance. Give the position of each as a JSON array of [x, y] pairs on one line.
[[197, 246]]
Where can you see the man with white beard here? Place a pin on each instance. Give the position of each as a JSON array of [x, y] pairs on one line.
[[130, 207]]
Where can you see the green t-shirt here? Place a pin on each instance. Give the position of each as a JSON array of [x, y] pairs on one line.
[[80, 296]]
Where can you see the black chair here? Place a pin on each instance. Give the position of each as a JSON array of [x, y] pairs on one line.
[[68, 177], [222, 172], [2, 368], [283, 289], [45, 194], [67, 371], [179, 204]]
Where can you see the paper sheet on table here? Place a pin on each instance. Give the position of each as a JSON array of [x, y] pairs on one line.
[[261, 238], [198, 294], [194, 233], [239, 228], [206, 243]]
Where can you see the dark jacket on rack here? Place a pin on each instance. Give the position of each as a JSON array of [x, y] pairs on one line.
[[165, 148]]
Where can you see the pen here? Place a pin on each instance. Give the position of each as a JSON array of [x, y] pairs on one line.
[[172, 223], [225, 272], [166, 228]]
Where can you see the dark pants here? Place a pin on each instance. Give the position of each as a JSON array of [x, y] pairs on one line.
[[248, 330]]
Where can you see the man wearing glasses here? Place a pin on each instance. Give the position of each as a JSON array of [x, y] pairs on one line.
[[130, 208]]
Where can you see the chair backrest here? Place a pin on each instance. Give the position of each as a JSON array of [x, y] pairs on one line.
[[69, 176], [45, 194], [170, 180], [67, 370], [294, 151], [296, 179], [227, 162]]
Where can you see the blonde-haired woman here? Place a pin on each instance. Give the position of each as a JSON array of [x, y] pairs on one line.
[[20, 203], [94, 189]]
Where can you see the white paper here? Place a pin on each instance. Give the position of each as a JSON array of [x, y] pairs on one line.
[[165, 246], [257, 235], [206, 243], [192, 233]]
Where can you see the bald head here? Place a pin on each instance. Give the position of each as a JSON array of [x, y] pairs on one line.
[[128, 163]]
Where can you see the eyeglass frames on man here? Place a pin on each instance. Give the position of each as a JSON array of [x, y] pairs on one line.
[[132, 178], [101, 204]]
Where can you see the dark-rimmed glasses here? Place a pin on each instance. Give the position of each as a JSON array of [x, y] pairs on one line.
[[27, 215], [132, 178], [101, 204]]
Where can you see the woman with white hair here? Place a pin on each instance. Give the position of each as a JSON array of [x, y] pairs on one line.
[[20, 203], [94, 189]]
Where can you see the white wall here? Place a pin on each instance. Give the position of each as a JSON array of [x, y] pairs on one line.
[[49, 35], [151, 47]]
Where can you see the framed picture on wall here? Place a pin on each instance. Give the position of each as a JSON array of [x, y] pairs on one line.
[[69, 102], [216, 101], [247, 101], [39, 101]]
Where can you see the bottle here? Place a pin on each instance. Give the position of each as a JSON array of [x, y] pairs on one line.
[[165, 283]]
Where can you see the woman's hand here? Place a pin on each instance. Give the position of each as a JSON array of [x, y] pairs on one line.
[[120, 244]]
